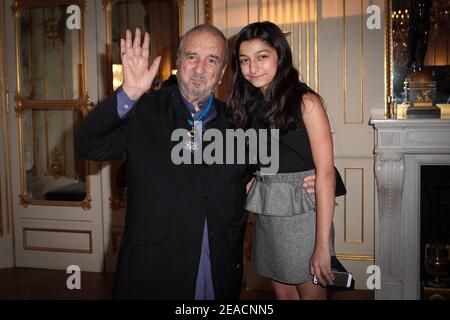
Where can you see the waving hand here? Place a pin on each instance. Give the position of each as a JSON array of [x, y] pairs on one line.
[[137, 76]]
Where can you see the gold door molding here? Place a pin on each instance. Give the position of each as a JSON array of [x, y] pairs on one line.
[[2, 104], [20, 4], [27, 246], [355, 257], [208, 11], [1, 212], [4, 112], [387, 53], [361, 103], [180, 18], [359, 171]]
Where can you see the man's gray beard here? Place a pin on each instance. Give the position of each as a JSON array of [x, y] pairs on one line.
[[188, 93]]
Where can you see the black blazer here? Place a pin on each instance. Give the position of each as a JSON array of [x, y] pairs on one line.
[[167, 203]]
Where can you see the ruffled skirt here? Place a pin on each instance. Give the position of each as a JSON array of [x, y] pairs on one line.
[[284, 226]]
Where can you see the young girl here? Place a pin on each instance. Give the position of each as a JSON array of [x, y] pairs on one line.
[[292, 229]]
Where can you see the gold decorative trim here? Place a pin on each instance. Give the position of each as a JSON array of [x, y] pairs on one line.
[[263, 11], [44, 61], [33, 248], [20, 4], [248, 11], [82, 104], [344, 59], [276, 20], [181, 17], [85, 204], [24, 200], [363, 75], [31, 66], [226, 18], [300, 36], [107, 6], [388, 54], [1, 212], [208, 11], [4, 96], [316, 46], [33, 134], [291, 24], [260, 7], [6, 132], [4, 105], [48, 219], [196, 12], [114, 202], [362, 15], [445, 109], [7, 99], [354, 257], [362, 208], [18, 49], [308, 21]]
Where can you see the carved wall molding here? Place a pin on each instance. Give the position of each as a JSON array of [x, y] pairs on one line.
[[390, 175]]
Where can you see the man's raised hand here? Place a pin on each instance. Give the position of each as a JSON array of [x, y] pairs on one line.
[[137, 76]]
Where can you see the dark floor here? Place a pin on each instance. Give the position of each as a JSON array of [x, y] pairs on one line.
[[22, 283]]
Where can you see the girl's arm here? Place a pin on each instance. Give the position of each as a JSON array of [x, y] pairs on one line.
[[319, 133], [249, 185]]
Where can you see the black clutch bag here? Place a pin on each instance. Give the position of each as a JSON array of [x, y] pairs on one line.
[[336, 265], [340, 186]]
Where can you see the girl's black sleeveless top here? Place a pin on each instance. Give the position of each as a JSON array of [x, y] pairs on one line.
[[294, 147]]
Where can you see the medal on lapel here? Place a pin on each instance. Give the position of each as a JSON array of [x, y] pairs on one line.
[[195, 133], [192, 145]]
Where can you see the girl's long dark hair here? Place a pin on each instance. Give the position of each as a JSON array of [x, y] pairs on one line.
[[283, 95]]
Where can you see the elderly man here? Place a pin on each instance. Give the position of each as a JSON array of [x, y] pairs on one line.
[[185, 224]]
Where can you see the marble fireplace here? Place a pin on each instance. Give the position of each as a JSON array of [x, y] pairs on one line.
[[402, 146]]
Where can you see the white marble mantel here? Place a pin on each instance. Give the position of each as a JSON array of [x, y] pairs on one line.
[[401, 147]]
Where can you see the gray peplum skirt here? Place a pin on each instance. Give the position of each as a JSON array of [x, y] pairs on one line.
[[284, 228]]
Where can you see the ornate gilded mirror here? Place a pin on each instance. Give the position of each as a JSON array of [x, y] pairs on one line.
[[53, 170], [160, 19], [418, 47], [51, 102]]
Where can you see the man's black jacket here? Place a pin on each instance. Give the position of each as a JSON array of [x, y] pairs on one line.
[[168, 203]]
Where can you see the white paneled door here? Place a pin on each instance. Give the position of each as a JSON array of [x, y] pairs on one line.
[[51, 60]]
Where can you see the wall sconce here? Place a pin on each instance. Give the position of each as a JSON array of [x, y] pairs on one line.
[[174, 72]]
